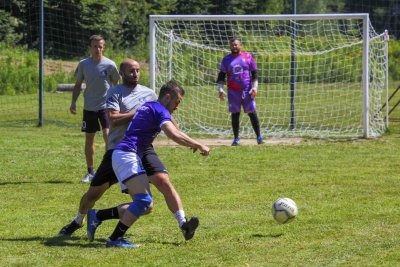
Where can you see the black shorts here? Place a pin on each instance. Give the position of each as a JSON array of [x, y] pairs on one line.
[[105, 173], [93, 119]]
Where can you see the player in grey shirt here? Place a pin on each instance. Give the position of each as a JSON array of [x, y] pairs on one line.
[[122, 103], [99, 73]]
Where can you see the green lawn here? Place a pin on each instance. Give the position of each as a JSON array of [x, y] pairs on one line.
[[347, 194]]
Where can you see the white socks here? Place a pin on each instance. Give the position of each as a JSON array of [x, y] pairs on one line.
[[79, 218], [180, 217]]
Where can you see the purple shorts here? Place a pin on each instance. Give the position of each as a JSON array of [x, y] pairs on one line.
[[92, 120], [239, 98]]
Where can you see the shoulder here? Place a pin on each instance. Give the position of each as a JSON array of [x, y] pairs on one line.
[[143, 88], [107, 61], [84, 61]]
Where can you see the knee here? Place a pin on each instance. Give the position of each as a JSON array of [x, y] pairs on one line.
[[149, 210], [161, 182], [141, 203]]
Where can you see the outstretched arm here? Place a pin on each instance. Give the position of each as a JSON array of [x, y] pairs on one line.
[[181, 138]]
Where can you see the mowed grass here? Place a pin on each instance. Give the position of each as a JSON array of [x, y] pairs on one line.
[[347, 193]]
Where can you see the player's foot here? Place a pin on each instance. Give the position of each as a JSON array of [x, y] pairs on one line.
[[120, 243], [92, 223], [260, 140], [69, 229], [88, 178], [189, 228], [236, 142]]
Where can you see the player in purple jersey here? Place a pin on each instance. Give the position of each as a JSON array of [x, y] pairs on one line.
[[147, 123], [241, 71], [122, 102]]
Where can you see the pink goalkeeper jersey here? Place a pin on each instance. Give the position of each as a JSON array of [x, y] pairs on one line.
[[238, 69]]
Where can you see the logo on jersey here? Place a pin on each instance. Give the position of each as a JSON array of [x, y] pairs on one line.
[[103, 73], [237, 69]]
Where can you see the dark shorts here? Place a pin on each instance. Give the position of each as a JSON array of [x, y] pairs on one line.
[[237, 99], [93, 119], [105, 173]]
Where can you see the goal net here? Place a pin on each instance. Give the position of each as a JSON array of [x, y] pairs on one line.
[[319, 75]]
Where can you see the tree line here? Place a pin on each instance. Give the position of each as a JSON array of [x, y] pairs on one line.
[[124, 23]]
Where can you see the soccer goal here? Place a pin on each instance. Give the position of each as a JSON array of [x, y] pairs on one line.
[[319, 75]]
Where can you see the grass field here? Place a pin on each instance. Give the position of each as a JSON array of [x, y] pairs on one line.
[[347, 193]]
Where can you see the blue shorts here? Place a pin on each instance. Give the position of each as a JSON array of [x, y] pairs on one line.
[[239, 98], [93, 119]]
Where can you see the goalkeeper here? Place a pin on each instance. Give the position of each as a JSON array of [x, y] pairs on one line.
[[241, 71]]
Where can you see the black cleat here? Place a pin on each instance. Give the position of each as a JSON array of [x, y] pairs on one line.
[[69, 229], [189, 228]]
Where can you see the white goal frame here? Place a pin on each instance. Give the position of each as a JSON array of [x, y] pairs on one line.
[[365, 44]]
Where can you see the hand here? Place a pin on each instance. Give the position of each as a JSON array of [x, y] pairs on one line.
[[204, 150], [72, 108], [253, 92], [221, 95]]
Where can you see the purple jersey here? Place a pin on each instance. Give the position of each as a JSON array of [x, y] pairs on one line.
[[238, 70], [144, 127]]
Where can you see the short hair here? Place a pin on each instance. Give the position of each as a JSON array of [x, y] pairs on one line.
[[126, 62], [235, 39], [171, 87], [96, 37]]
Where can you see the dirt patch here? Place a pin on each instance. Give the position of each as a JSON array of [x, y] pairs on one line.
[[164, 141]]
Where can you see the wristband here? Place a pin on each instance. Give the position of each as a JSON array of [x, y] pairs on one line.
[[220, 88], [255, 84]]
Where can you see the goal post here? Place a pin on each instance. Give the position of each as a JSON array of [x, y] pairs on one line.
[[340, 76]]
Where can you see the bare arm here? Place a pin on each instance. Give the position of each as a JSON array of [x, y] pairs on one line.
[[117, 119], [181, 138], [75, 94]]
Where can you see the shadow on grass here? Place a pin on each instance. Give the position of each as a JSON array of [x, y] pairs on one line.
[[58, 241], [267, 236], [32, 182], [71, 241]]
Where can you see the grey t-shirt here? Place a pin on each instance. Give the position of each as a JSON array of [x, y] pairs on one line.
[[123, 99], [98, 78]]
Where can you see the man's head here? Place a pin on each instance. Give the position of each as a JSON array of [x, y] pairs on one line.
[[129, 70], [235, 45], [96, 46], [171, 95]]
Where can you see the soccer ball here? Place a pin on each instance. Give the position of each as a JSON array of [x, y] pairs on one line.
[[284, 210]]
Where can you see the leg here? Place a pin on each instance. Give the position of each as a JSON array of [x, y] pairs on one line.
[[138, 188], [89, 149], [105, 137], [163, 184], [235, 103], [256, 126], [93, 194], [235, 127], [87, 201]]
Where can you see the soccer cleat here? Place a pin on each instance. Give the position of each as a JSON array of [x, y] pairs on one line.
[[88, 178], [92, 223], [260, 140], [189, 228], [120, 243], [69, 229], [236, 142]]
